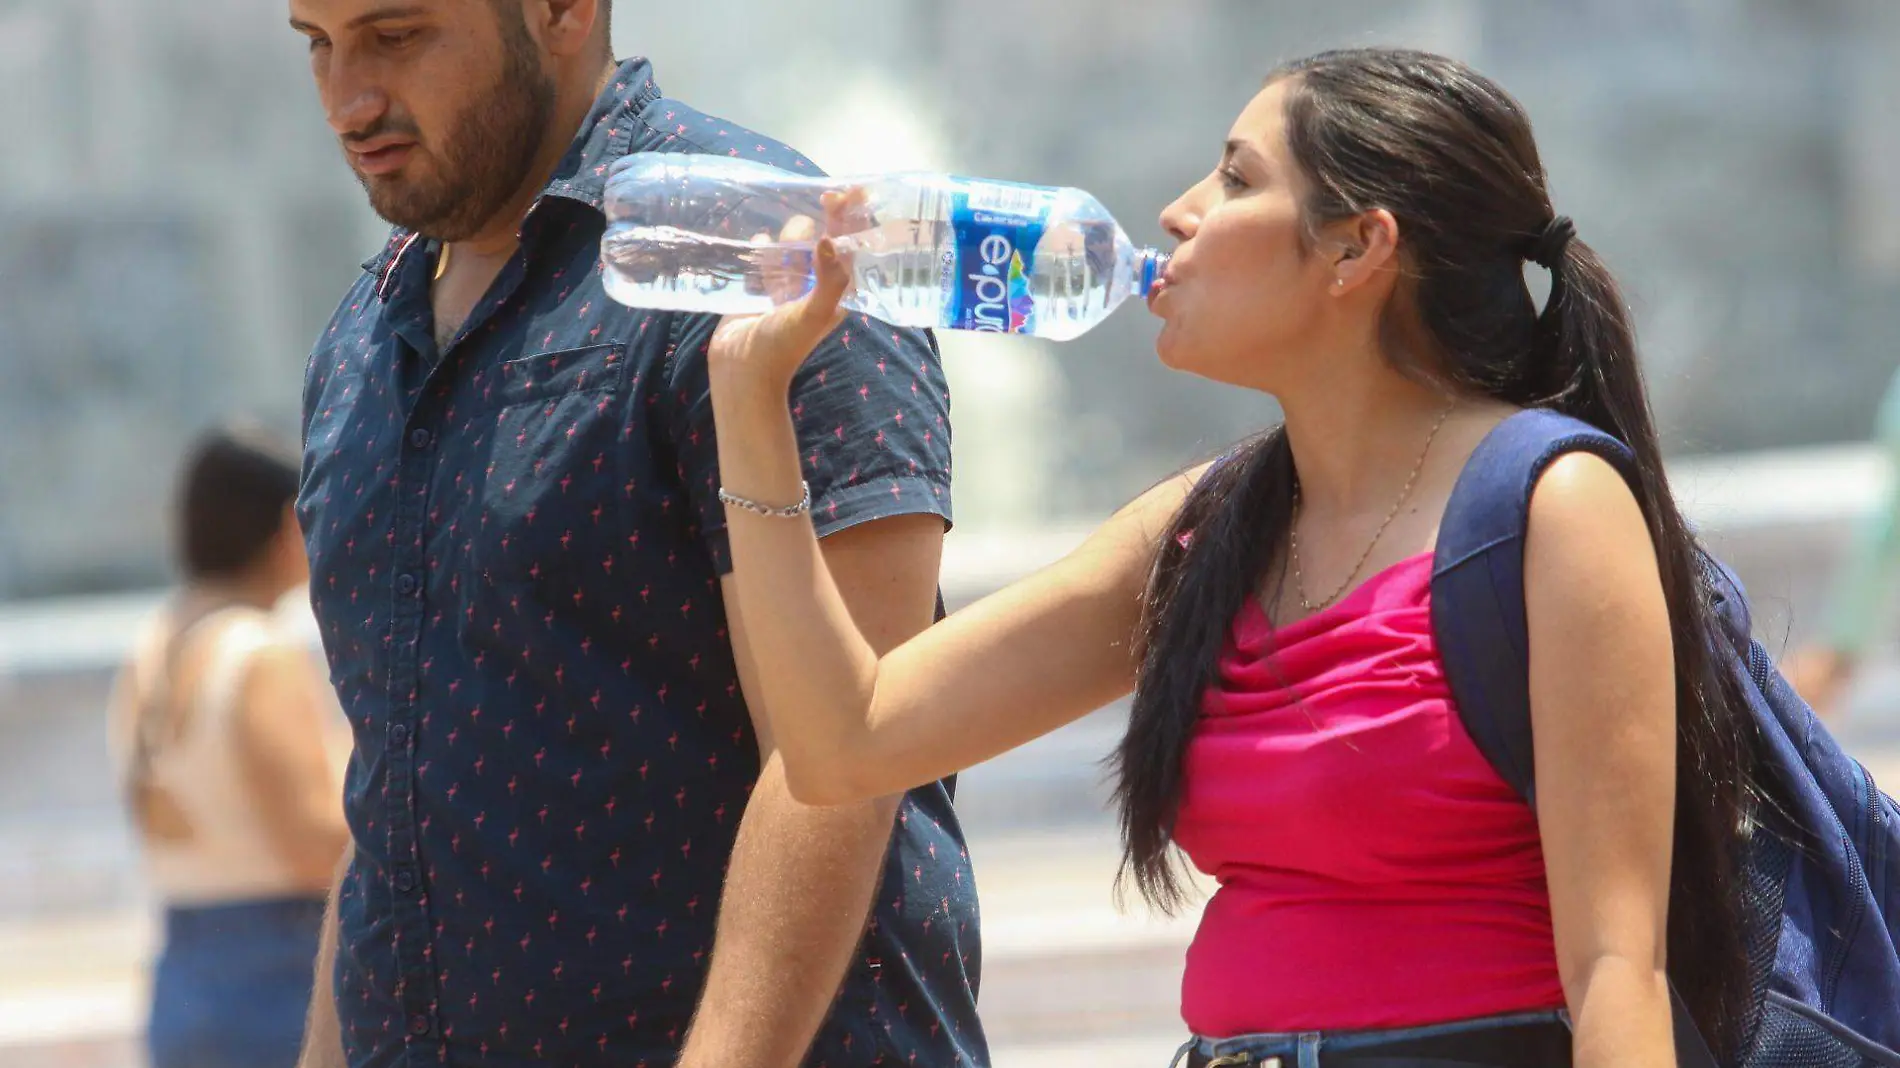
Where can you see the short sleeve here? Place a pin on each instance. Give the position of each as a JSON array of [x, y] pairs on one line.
[[872, 412]]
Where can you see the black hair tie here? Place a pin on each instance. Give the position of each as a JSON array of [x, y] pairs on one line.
[[1547, 248]]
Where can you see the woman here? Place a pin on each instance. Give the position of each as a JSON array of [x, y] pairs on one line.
[[220, 720], [1359, 254]]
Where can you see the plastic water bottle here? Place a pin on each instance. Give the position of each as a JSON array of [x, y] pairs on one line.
[[722, 235]]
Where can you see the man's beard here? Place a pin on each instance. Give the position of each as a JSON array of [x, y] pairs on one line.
[[486, 157]]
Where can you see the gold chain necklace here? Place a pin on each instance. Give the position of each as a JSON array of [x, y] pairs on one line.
[[1293, 529]]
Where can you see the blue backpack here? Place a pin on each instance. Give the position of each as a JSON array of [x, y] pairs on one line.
[[1824, 894]]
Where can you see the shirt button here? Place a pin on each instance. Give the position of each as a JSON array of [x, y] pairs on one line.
[[406, 584], [405, 880], [399, 734], [418, 1024], [419, 439]]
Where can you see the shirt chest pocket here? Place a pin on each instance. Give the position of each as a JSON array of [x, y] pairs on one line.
[[548, 482]]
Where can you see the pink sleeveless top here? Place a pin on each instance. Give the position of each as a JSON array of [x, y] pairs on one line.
[[1373, 870]]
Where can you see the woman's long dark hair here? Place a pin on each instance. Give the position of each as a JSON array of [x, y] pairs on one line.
[[1450, 154]]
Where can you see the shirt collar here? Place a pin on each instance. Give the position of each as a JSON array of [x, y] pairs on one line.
[[606, 135]]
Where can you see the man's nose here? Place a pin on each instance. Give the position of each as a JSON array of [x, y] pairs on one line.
[[352, 103]]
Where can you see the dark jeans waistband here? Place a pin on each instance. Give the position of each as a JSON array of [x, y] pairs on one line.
[[237, 920], [1518, 1040]]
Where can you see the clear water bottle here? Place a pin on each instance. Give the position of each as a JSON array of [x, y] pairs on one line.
[[731, 237]]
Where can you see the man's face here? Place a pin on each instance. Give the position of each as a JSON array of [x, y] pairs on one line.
[[441, 105]]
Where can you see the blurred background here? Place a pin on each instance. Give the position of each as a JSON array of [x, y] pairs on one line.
[[176, 225]]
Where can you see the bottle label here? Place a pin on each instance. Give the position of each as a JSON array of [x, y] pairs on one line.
[[997, 226]]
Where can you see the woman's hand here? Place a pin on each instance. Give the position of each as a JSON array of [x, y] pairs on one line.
[[767, 350], [846, 723]]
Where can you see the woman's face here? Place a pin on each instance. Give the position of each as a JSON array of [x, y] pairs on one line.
[[1244, 293]]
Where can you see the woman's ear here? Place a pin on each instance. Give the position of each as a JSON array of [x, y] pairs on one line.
[[1367, 245]]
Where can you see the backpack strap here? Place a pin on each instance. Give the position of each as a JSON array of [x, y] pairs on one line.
[[1478, 615]]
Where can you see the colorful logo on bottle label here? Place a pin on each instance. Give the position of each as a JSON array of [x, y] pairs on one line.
[[997, 227]]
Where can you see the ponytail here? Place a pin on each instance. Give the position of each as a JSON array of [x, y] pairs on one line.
[[1586, 342]]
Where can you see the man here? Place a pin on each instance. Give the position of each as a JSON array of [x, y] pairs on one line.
[[510, 499]]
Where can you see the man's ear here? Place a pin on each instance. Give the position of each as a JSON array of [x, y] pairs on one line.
[[566, 28]]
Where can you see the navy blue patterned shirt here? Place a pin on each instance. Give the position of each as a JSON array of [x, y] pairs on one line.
[[515, 551]]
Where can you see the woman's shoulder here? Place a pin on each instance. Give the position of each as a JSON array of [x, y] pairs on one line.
[[234, 633], [219, 651], [1154, 511], [1585, 520]]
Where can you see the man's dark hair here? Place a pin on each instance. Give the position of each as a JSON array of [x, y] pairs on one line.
[[231, 499]]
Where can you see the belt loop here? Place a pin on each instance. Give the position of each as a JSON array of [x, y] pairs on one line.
[[1182, 1052], [1309, 1050]]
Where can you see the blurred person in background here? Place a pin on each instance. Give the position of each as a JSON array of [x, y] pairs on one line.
[[1385, 896], [221, 727], [1861, 594], [571, 845]]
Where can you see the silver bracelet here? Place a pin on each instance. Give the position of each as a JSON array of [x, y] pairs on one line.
[[793, 512]]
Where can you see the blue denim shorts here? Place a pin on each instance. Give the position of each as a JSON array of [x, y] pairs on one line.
[[233, 984], [1519, 1040]]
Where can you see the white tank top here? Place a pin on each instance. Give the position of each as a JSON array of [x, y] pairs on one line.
[[229, 855]]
